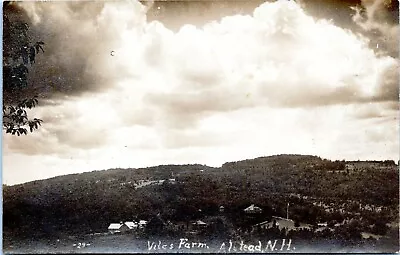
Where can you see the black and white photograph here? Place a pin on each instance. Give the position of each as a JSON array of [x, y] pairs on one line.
[[200, 126]]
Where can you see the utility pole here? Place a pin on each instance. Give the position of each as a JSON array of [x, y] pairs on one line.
[[287, 211]]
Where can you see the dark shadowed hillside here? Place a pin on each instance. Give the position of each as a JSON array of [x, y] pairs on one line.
[[84, 203]]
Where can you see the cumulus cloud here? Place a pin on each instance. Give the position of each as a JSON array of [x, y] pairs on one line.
[[273, 45], [278, 56]]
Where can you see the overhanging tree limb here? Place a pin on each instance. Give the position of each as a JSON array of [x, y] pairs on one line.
[[18, 53]]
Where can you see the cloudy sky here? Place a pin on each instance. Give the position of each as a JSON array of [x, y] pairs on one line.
[[130, 84]]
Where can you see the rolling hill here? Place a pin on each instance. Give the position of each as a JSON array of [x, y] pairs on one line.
[[85, 203]]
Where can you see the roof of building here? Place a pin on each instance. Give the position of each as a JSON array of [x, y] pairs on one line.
[[283, 223], [199, 222], [263, 223], [280, 218], [253, 208], [131, 224], [114, 226]]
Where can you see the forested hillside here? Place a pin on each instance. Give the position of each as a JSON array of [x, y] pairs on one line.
[[88, 202]]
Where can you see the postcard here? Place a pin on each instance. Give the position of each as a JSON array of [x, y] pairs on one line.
[[209, 126]]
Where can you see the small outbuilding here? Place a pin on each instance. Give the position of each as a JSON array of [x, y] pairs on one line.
[[117, 228], [252, 209], [142, 223], [282, 223], [131, 225]]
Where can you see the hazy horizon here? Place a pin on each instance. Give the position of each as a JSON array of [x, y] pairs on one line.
[[183, 163]]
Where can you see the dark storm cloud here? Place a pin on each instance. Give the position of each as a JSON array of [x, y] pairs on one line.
[[65, 66], [172, 13], [78, 44], [376, 19], [379, 20]]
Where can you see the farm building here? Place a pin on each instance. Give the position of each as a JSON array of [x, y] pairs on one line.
[[117, 228], [282, 223], [252, 209], [131, 224], [142, 223], [199, 224]]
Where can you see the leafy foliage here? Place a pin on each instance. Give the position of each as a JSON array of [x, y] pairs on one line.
[[18, 53], [15, 118]]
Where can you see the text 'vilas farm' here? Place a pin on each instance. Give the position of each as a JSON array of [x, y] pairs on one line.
[[182, 244], [230, 246]]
